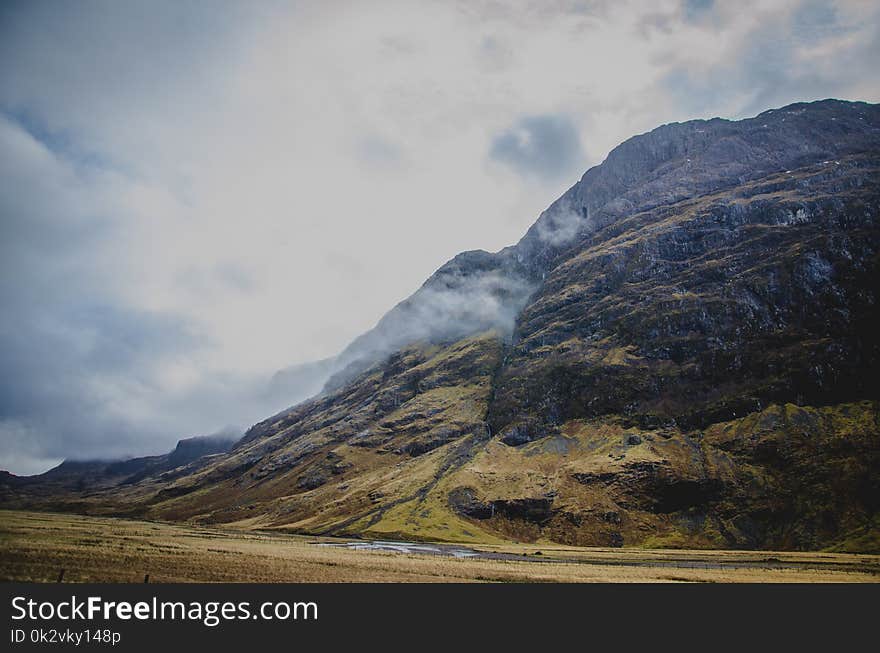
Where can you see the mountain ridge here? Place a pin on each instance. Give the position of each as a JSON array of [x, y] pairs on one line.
[[577, 210], [677, 353]]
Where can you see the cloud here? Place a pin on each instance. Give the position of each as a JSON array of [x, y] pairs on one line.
[[85, 373], [379, 153], [194, 196], [547, 147], [562, 226], [695, 10], [794, 51], [476, 291]]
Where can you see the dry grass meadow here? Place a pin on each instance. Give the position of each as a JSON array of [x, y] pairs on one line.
[[35, 547]]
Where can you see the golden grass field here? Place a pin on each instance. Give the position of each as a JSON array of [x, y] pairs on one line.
[[34, 547]]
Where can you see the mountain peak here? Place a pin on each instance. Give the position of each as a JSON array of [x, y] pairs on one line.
[[679, 352], [478, 290]]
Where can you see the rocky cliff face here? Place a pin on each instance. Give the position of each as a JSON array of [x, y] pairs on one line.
[[680, 352]]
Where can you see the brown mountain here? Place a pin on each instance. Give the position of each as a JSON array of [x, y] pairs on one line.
[[680, 352]]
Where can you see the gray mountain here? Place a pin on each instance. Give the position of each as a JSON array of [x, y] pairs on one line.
[[679, 352]]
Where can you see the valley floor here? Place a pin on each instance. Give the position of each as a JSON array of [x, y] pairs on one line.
[[35, 547]]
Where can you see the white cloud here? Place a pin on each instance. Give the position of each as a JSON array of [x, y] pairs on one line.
[[270, 179]]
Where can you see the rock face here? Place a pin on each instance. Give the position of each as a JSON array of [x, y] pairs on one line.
[[680, 352]]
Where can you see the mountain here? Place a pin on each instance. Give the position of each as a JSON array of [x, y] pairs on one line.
[[679, 352], [90, 476]]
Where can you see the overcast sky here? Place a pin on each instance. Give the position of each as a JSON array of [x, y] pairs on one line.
[[194, 195]]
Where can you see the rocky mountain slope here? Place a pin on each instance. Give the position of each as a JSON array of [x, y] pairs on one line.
[[680, 352]]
